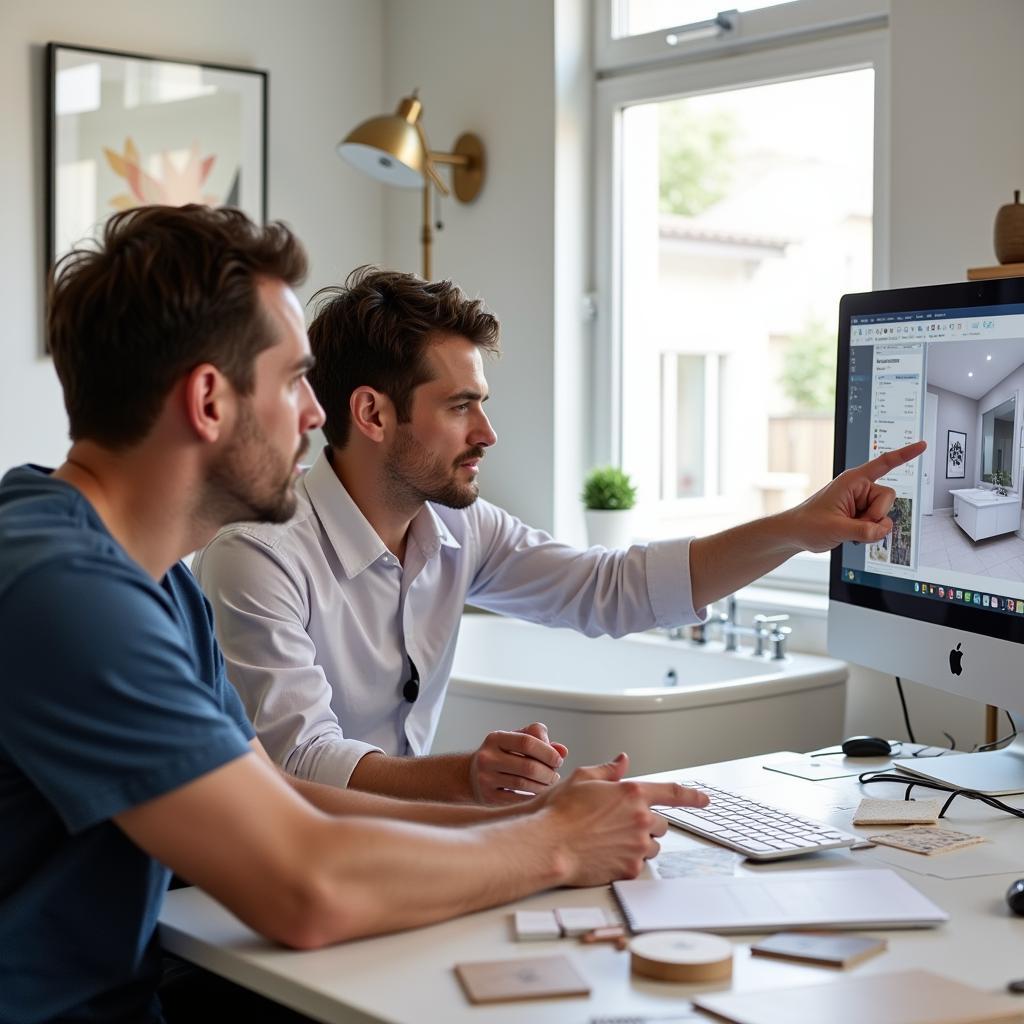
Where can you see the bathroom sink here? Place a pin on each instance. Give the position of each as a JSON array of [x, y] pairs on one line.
[[978, 496]]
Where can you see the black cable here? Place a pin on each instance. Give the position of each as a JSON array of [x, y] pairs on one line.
[[910, 730], [906, 714], [868, 777], [1003, 741]]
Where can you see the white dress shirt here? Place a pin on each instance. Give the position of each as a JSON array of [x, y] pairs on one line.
[[318, 620]]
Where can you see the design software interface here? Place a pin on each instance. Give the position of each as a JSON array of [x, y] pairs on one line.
[[955, 378]]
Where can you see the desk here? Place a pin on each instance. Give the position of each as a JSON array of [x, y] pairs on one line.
[[407, 978]]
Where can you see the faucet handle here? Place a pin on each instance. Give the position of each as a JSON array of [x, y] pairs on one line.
[[778, 638]]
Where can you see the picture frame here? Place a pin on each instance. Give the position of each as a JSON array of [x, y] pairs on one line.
[[127, 129], [956, 455]]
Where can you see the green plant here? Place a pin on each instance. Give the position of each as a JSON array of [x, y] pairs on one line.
[[1001, 478], [809, 368], [608, 488], [696, 157]]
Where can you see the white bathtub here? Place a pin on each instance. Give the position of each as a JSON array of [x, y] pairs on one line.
[[602, 696]]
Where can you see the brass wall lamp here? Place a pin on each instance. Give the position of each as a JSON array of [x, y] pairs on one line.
[[393, 149]]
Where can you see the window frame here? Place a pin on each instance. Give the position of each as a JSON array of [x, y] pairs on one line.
[[857, 49], [797, 21]]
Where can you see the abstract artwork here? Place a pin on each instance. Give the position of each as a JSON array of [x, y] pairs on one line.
[[956, 455], [128, 130]]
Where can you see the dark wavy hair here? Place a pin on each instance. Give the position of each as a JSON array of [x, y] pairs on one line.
[[374, 331], [165, 290]]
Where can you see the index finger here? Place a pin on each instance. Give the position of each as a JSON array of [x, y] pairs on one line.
[[670, 794], [529, 746], [891, 460]]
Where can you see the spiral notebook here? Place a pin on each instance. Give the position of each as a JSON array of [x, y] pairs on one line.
[[776, 900]]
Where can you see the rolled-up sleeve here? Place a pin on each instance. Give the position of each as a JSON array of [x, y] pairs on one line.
[[525, 573], [261, 611]]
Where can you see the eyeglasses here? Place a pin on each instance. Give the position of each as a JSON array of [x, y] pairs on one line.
[[411, 689]]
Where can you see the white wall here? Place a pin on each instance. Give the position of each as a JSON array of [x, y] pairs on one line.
[[489, 66], [324, 59], [957, 145], [954, 412]]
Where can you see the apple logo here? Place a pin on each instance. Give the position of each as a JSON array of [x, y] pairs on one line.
[[955, 659]]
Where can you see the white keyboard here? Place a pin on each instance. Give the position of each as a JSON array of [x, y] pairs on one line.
[[758, 831]]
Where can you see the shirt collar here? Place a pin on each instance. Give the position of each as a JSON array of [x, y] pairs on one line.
[[355, 541]]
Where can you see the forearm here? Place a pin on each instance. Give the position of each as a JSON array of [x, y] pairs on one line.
[[724, 562], [443, 777], [363, 869], [337, 801]]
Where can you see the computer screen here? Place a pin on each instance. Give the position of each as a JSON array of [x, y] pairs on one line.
[[941, 599]]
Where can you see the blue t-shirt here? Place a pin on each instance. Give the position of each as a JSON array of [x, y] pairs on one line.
[[112, 692]]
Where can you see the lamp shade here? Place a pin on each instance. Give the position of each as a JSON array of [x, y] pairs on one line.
[[387, 148]]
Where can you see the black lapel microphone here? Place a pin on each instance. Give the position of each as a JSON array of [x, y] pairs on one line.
[[411, 690]]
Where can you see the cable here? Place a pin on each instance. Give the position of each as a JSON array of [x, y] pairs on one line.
[[1003, 741], [906, 714], [883, 776], [910, 730]]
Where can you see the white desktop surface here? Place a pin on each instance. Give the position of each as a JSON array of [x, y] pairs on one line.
[[407, 978]]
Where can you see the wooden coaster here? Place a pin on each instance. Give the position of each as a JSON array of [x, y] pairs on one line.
[[501, 981], [681, 956]]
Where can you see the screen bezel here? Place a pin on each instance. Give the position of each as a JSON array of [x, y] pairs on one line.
[[960, 295]]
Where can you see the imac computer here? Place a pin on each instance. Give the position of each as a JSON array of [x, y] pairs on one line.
[[940, 600]]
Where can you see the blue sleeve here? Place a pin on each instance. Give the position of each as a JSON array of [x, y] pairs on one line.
[[200, 633], [101, 704]]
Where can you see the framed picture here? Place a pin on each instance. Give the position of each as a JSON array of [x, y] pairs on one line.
[[956, 455], [128, 130]]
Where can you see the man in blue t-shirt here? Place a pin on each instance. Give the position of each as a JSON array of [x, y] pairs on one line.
[[124, 754]]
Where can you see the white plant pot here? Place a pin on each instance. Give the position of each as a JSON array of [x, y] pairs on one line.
[[609, 528]]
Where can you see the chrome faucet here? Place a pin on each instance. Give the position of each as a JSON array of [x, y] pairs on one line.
[[767, 629]]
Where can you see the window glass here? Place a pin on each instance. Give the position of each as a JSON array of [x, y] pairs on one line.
[[746, 214]]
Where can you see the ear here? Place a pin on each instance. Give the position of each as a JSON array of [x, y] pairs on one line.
[[210, 402], [372, 412]]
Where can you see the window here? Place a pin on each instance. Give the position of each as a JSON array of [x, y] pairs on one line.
[[736, 204]]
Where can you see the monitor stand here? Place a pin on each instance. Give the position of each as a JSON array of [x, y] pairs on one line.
[[994, 772]]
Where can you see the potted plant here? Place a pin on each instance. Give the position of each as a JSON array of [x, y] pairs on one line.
[[608, 500], [1001, 480]]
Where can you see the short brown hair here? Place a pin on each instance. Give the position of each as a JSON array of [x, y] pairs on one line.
[[374, 330], [166, 289]]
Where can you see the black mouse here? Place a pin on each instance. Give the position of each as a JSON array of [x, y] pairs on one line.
[[1015, 897], [867, 746]]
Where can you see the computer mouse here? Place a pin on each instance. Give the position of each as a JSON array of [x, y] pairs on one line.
[[1015, 897], [866, 746]]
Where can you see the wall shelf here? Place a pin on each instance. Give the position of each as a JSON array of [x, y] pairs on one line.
[[1002, 270]]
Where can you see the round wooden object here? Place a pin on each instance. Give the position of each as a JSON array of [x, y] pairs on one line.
[[681, 956], [1009, 232]]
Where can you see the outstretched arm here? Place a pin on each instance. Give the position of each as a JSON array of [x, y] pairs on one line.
[[853, 507], [306, 878]]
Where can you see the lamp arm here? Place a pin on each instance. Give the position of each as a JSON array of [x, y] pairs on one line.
[[453, 159], [428, 163]]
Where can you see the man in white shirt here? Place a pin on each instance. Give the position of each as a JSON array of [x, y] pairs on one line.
[[339, 627]]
